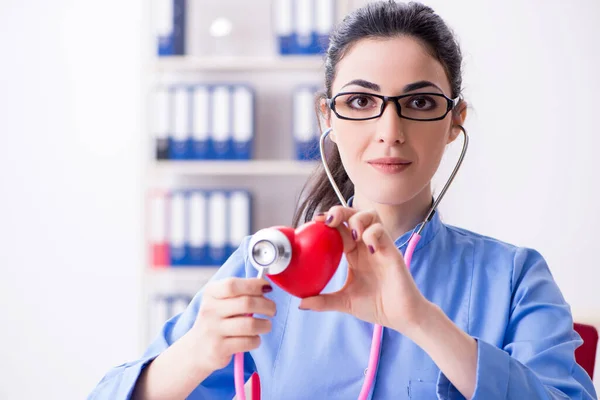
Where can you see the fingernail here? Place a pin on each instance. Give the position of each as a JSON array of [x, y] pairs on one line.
[[267, 289], [354, 234], [371, 249], [303, 309], [320, 214], [329, 219]]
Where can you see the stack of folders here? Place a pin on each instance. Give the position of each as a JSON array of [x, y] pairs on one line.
[[305, 121], [197, 227], [204, 122], [169, 20], [164, 307], [169, 305], [303, 26]]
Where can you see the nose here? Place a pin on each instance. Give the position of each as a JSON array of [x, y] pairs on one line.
[[389, 126]]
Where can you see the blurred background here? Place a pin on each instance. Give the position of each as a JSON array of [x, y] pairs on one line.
[[142, 140]]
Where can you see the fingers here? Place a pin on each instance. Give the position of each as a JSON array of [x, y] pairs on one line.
[[336, 218], [338, 301], [377, 239], [244, 326], [353, 224], [362, 226], [246, 305], [235, 287], [337, 215], [233, 345], [361, 221]]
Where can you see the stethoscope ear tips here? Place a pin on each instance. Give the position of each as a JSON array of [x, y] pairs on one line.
[[270, 251]]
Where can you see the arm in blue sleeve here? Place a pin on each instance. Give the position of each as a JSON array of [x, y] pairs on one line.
[[537, 360], [119, 382]]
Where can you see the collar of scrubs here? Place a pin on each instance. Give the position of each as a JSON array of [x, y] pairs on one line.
[[427, 235]]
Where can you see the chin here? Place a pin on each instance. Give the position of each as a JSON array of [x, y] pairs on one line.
[[390, 195]]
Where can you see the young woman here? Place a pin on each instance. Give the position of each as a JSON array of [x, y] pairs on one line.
[[473, 318]]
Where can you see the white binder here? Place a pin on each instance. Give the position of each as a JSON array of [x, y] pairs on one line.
[[243, 122], [221, 122], [200, 122]]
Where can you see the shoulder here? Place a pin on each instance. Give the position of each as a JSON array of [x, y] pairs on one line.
[[237, 264], [496, 255]]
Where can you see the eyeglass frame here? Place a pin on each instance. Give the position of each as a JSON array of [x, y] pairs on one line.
[[451, 104]]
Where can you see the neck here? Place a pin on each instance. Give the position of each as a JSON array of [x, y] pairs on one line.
[[398, 218]]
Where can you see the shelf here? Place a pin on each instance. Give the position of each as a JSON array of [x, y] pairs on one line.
[[235, 168], [192, 63], [183, 272], [186, 279]]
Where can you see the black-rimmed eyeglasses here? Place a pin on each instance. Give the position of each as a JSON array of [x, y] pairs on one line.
[[361, 106]]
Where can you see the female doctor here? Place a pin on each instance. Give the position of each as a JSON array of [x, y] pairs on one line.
[[473, 318]]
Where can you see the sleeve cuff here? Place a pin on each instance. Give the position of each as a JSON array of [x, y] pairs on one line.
[[118, 384], [491, 377], [131, 376]]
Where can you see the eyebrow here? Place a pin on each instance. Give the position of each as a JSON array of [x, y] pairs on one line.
[[408, 88]]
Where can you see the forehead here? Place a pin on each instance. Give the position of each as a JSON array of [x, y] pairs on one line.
[[390, 63]]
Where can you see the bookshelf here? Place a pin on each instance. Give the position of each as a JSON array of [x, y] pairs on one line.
[[273, 175]]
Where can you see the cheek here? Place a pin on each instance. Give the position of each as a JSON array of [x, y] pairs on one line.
[[430, 152], [352, 142], [351, 138]]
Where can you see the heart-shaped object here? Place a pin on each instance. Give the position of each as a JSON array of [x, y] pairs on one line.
[[316, 253]]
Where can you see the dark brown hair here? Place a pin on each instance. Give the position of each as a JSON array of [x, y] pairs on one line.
[[383, 19]]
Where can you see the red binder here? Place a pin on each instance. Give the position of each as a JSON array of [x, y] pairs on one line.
[[158, 222]]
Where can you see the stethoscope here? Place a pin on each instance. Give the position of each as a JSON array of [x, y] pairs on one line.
[[270, 253]]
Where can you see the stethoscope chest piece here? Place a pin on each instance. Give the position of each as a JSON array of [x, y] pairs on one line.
[[270, 251]]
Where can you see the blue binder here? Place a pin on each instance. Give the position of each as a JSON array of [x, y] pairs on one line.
[[178, 232], [284, 25], [218, 227], [161, 99], [180, 142], [305, 130], [221, 122], [325, 19], [201, 122], [242, 122], [170, 24], [198, 228], [239, 218], [303, 27]]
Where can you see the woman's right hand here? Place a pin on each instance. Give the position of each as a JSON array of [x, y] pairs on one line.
[[225, 325]]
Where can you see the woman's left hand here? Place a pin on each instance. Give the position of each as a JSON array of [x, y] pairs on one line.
[[379, 288]]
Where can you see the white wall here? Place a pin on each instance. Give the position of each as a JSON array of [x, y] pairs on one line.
[[531, 176], [70, 173], [71, 169]]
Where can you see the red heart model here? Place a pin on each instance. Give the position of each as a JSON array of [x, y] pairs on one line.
[[316, 253]]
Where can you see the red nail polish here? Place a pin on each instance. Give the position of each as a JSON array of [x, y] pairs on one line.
[[267, 289]]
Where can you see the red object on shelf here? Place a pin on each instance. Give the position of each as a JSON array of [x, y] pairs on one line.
[[158, 220], [585, 355], [160, 255]]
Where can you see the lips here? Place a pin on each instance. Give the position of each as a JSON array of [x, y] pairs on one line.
[[390, 161], [390, 165]]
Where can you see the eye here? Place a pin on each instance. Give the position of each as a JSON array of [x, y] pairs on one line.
[[360, 101], [422, 103]]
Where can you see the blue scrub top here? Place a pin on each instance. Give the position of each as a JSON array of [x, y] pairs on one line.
[[502, 295]]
